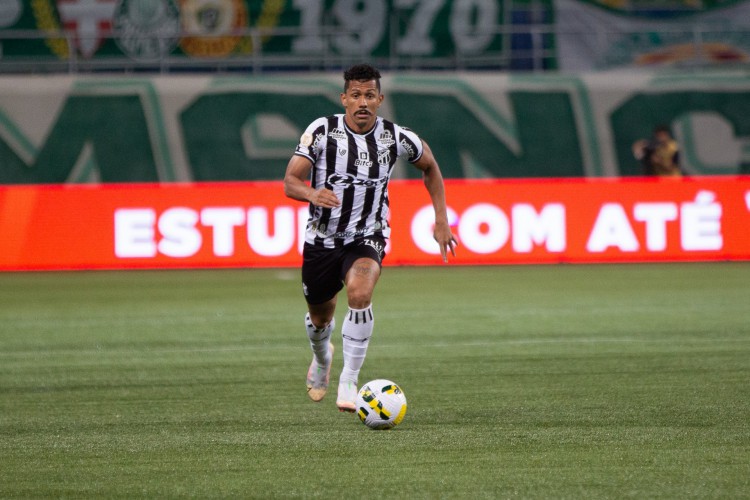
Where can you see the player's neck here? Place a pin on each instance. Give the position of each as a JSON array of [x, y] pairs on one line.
[[364, 129]]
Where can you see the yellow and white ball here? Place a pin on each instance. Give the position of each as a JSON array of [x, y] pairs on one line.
[[381, 404]]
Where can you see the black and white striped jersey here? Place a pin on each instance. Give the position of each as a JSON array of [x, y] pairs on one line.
[[357, 167]]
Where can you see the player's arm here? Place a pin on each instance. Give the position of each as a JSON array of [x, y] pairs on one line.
[[433, 181], [297, 187]]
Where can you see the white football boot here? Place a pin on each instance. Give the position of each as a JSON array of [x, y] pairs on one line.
[[347, 395], [318, 376]]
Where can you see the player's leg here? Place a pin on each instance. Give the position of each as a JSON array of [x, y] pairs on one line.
[[358, 323], [321, 284], [320, 324]]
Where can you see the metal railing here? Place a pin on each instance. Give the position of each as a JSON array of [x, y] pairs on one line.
[[528, 47]]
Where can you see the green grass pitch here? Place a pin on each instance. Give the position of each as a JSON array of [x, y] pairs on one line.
[[610, 381]]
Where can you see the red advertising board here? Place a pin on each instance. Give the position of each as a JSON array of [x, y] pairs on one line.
[[131, 226]]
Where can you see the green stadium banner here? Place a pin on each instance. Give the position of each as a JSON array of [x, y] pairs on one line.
[[487, 34], [151, 30], [599, 35], [66, 129]]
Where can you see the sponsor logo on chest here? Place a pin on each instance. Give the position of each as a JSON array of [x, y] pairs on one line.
[[386, 139], [337, 134], [363, 161]]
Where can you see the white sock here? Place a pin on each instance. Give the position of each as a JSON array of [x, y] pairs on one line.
[[319, 339], [356, 332]]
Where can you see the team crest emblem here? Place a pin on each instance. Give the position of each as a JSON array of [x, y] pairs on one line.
[[148, 29], [90, 21], [209, 24], [384, 157]]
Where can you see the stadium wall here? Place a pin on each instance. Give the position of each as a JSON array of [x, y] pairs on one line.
[[99, 129]]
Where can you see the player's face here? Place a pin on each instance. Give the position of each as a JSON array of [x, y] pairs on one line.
[[361, 102]]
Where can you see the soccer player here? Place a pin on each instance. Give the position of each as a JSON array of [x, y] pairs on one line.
[[348, 159]]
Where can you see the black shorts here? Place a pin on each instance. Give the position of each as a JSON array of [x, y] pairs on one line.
[[324, 269]]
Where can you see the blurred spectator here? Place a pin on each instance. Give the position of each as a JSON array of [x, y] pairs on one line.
[[659, 155]]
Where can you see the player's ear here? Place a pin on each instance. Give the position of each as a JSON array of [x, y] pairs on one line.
[[343, 99]]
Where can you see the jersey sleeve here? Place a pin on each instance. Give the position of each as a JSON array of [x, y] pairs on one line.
[[311, 142], [409, 145]]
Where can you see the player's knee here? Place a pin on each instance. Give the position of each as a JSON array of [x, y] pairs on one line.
[[359, 299], [321, 320], [322, 314]]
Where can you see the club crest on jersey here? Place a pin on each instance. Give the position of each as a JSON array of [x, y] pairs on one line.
[[386, 138], [337, 134], [384, 157], [363, 161]]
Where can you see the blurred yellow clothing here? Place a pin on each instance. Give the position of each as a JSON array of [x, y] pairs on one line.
[[663, 159]]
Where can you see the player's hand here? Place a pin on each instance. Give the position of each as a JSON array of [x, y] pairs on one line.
[[445, 239], [324, 198]]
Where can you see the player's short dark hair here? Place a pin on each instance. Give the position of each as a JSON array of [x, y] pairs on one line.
[[361, 73]]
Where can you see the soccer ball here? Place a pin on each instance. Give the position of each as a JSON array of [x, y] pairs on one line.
[[381, 404]]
